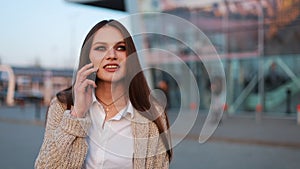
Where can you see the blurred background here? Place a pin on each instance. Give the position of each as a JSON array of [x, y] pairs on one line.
[[257, 42]]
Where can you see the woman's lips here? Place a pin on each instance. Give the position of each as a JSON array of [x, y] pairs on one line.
[[111, 67]]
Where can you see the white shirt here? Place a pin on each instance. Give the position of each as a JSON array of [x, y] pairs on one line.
[[111, 142]]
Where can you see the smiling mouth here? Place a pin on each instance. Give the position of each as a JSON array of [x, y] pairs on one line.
[[111, 67]]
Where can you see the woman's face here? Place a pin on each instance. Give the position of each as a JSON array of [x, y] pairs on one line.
[[108, 53]]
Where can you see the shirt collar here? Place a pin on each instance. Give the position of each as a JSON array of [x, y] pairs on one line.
[[128, 110], [94, 99]]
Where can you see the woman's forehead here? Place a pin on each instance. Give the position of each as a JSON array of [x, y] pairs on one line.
[[108, 34]]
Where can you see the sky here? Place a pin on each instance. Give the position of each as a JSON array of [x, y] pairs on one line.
[[46, 32]]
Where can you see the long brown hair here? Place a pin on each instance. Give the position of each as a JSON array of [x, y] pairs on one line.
[[135, 80]]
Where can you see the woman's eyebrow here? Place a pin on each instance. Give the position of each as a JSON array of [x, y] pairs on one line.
[[99, 43], [105, 43], [120, 42]]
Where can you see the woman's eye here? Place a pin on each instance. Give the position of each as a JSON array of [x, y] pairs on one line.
[[100, 48], [121, 48]]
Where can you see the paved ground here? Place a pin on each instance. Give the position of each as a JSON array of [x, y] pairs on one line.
[[241, 142], [238, 143], [19, 145]]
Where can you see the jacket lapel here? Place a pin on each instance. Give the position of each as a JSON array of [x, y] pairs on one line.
[[140, 130]]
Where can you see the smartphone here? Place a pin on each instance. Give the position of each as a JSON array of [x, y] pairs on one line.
[[92, 76]]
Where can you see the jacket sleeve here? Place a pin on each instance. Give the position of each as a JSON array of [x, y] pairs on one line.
[[64, 144]]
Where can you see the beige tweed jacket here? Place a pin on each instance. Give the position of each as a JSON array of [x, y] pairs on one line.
[[65, 147]]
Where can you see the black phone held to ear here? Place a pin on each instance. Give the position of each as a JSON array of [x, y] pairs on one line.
[[92, 76]]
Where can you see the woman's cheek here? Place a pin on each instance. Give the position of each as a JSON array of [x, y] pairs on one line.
[[94, 59]]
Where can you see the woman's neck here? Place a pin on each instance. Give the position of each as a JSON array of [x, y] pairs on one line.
[[112, 96], [108, 91]]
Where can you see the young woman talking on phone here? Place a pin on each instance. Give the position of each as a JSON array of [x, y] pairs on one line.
[[111, 120]]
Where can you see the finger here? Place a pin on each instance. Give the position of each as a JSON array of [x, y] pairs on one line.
[[89, 90], [88, 72], [86, 83], [84, 68], [91, 83], [81, 75]]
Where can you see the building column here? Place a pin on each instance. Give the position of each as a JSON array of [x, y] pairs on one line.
[[11, 84]]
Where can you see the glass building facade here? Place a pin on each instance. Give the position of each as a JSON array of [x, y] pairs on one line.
[[257, 42]]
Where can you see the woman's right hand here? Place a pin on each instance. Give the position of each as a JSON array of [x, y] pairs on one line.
[[83, 91]]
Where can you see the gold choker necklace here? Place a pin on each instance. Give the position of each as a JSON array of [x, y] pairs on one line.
[[106, 106]]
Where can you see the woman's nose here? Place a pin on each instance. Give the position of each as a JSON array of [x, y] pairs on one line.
[[111, 54]]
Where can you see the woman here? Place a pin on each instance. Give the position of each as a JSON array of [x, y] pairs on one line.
[[109, 122]]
